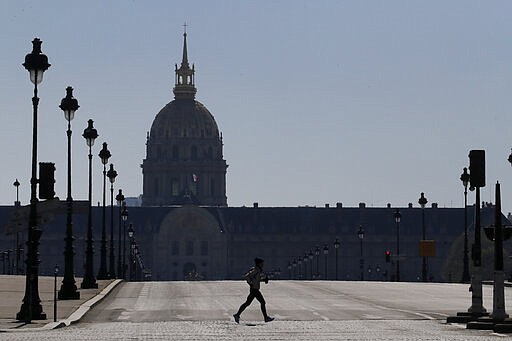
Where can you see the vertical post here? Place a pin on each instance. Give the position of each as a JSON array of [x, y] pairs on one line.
[[498, 311], [55, 294], [477, 307], [112, 253]]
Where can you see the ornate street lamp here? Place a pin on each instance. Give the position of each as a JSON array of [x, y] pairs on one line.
[[17, 203], [111, 174], [465, 181], [398, 217], [326, 252], [17, 185], [119, 199], [124, 216], [132, 245], [360, 235], [103, 273], [90, 134], [36, 63], [423, 201], [336, 247], [294, 264], [68, 289]]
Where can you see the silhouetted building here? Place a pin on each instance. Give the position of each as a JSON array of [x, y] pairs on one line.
[[185, 230], [184, 162]]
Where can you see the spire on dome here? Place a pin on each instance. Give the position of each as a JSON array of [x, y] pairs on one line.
[[184, 86]]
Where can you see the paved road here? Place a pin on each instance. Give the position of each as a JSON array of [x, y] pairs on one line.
[[303, 310]]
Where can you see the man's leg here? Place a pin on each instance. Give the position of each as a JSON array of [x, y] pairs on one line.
[[246, 303], [260, 298]]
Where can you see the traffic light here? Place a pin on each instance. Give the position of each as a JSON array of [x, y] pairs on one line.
[[388, 256], [46, 180], [477, 168]]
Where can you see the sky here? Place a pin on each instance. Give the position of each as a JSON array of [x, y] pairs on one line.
[[319, 102]]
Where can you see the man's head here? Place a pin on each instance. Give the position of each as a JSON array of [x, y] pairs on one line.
[[258, 262]]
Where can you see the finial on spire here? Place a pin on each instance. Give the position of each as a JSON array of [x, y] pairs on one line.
[[185, 28]]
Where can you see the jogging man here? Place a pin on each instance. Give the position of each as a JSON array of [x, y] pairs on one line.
[[253, 278]]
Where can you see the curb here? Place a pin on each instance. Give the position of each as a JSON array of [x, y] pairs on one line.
[[76, 315]]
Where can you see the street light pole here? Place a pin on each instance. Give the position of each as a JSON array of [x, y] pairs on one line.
[[336, 247], [423, 201], [111, 174], [36, 63], [317, 254], [56, 271], [124, 215], [103, 273], [360, 235], [311, 262], [68, 289], [119, 199], [130, 235], [90, 134], [398, 217], [326, 252], [465, 180]]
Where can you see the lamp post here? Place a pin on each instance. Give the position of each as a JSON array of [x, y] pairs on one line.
[[465, 180], [311, 264], [111, 174], [294, 264], [299, 266], [18, 247], [17, 185], [326, 252], [360, 235], [130, 235], [305, 265], [423, 201], [336, 247], [124, 216], [119, 199], [36, 63], [90, 134], [103, 273], [68, 289], [398, 217], [317, 254], [55, 272]]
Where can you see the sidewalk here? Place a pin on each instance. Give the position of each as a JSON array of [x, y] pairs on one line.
[[12, 290]]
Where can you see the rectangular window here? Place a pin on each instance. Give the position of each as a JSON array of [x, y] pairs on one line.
[[190, 248], [204, 248]]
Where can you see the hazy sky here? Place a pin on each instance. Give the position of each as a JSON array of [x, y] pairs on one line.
[[318, 101]]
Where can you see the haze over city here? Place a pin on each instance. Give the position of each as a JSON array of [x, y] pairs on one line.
[[318, 102]]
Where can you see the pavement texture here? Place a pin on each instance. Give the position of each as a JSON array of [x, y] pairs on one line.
[[304, 310], [12, 290]]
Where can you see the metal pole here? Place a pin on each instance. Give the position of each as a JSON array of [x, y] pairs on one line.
[[55, 295], [89, 281], [102, 273], [336, 263], [68, 289], [465, 272], [398, 251], [112, 274], [31, 308], [424, 260]]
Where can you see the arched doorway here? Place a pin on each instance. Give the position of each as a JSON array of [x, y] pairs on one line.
[[192, 244]]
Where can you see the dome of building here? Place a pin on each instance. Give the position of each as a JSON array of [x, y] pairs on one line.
[[184, 119], [184, 162]]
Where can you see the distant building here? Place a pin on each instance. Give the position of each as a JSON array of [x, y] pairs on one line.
[[185, 230], [184, 162]]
